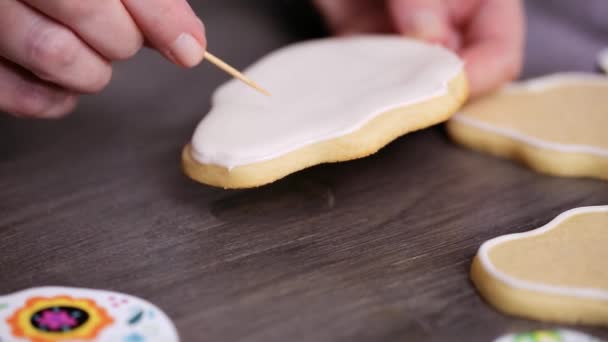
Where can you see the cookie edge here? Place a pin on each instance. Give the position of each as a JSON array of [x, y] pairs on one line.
[[537, 300], [540, 155], [361, 143]]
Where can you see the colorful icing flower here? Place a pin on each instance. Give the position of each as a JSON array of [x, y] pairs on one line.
[[59, 318], [539, 336]]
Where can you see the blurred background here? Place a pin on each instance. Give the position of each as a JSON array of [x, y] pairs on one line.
[[372, 250]]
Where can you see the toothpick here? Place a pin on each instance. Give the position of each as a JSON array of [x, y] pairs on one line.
[[235, 73]]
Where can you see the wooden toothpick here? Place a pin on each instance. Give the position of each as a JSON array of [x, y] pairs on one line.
[[235, 73]]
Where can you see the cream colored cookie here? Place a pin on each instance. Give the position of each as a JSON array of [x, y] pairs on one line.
[[558, 272], [555, 124], [333, 100]]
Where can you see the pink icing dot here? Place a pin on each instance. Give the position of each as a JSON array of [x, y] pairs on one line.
[[55, 320]]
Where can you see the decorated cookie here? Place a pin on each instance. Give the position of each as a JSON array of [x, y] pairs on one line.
[[559, 335], [555, 124], [54, 314], [333, 100], [558, 272], [603, 60]]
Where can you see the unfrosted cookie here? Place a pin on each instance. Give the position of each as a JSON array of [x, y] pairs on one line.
[[555, 124], [332, 100], [53, 314], [558, 272]]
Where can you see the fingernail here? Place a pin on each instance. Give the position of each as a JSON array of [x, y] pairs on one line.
[[187, 50], [424, 24]]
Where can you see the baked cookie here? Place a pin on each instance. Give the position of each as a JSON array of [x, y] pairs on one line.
[[333, 100], [555, 124], [557, 272], [53, 314]]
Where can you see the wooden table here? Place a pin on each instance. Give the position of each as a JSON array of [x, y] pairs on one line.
[[371, 250]]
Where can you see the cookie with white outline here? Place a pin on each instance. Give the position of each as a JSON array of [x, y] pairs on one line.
[[333, 100], [62, 314], [558, 272], [555, 124]]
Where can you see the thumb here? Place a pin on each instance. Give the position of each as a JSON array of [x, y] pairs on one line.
[[172, 28], [423, 19]]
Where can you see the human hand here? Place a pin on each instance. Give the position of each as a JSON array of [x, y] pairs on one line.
[[52, 51], [487, 34]]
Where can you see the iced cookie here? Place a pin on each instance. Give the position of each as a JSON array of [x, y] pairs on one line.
[[555, 124], [54, 314], [557, 272], [332, 100], [559, 335]]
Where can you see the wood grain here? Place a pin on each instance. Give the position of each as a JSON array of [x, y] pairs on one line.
[[371, 250]]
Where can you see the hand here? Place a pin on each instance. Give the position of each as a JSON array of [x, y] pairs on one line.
[[53, 50], [487, 34]]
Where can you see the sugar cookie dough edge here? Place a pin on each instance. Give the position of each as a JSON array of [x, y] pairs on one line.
[[536, 305], [544, 157], [244, 176], [579, 292]]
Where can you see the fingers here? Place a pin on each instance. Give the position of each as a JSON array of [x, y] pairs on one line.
[[494, 49], [24, 96], [355, 16], [105, 25], [51, 51], [336, 12], [171, 27], [424, 19]]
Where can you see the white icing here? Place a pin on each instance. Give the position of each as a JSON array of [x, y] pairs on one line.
[[322, 89], [530, 140], [556, 80], [581, 292], [540, 84], [602, 59], [153, 325]]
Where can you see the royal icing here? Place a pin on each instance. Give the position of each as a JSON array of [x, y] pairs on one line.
[[321, 89], [530, 140], [539, 85], [48, 314], [571, 291]]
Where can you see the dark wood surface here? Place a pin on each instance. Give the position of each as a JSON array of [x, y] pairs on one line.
[[371, 250]]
